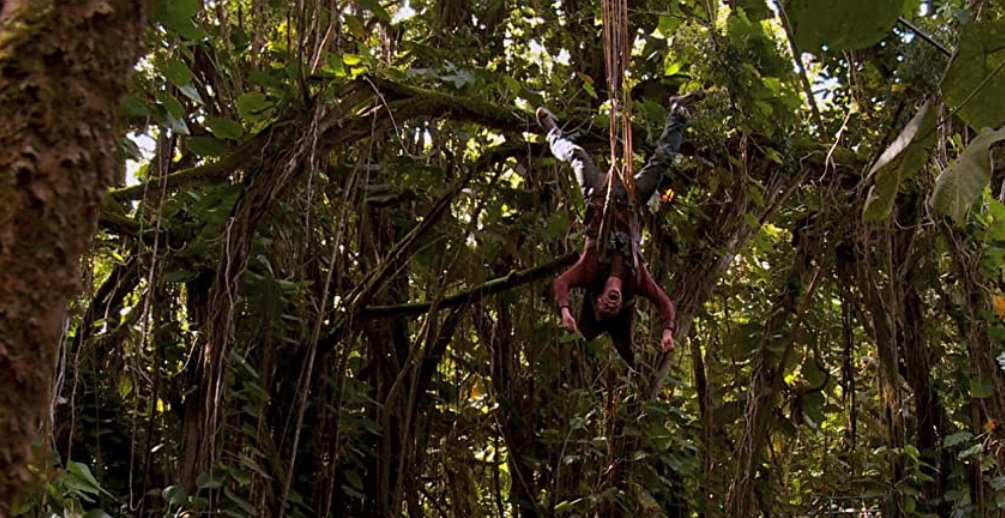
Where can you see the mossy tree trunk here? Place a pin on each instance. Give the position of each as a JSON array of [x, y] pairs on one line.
[[63, 67]]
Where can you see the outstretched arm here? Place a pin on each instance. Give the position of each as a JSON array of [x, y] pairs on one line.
[[649, 289], [577, 275]]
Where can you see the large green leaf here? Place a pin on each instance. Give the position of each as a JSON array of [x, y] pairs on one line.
[[178, 73], [981, 387], [177, 15], [174, 113], [668, 25], [962, 182], [225, 128], [252, 106], [246, 506], [975, 84], [207, 146], [174, 495], [755, 9], [82, 472], [841, 24], [900, 161], [957, 438]]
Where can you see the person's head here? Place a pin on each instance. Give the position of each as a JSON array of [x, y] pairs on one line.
[[608, 303]]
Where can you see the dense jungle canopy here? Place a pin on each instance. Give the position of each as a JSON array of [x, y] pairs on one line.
[[293, 258]]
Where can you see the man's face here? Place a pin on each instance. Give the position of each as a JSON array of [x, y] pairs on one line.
[[608, 303]]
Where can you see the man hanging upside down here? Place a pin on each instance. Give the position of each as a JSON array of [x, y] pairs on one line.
[[613, 272]]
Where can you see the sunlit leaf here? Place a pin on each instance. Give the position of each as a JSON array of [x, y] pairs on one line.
[[191, 92], [961, 183], [971, 451], [668, 25], [563, 506], [671, 67], [251, 106], [903, 159]]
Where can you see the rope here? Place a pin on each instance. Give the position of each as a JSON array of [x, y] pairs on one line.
[[618, 42]]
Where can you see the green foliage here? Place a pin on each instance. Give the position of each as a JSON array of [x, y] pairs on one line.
[[962, 182], [974, 84], [755, 9], [177, 15], [841, 26], [317, 122], [903, 159], [74, 492]]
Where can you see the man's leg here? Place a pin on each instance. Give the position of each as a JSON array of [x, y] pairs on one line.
[[568, 151], [649, 177], [620, 330]]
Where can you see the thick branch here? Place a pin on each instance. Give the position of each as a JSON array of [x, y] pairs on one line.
[[499, 284], [404, 102], [244, 156]]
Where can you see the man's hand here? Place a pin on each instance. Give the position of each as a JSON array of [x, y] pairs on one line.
[[667, 342], [568, 321]]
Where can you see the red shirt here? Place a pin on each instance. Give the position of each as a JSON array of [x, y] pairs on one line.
[[591, 274]]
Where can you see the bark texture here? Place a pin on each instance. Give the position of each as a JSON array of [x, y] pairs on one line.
[[63, 66]]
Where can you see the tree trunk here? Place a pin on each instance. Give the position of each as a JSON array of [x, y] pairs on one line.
[[62, 70], [766, 383]]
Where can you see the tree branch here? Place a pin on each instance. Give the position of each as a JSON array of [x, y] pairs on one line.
[[409, 102], [797, 57], [499, 284], [926, 37]]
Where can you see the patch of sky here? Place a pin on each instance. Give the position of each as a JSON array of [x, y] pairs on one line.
[[405, 12], [147, 147]]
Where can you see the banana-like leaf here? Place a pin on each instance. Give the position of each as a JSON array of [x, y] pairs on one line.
[[962, 182], [905, 157]]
